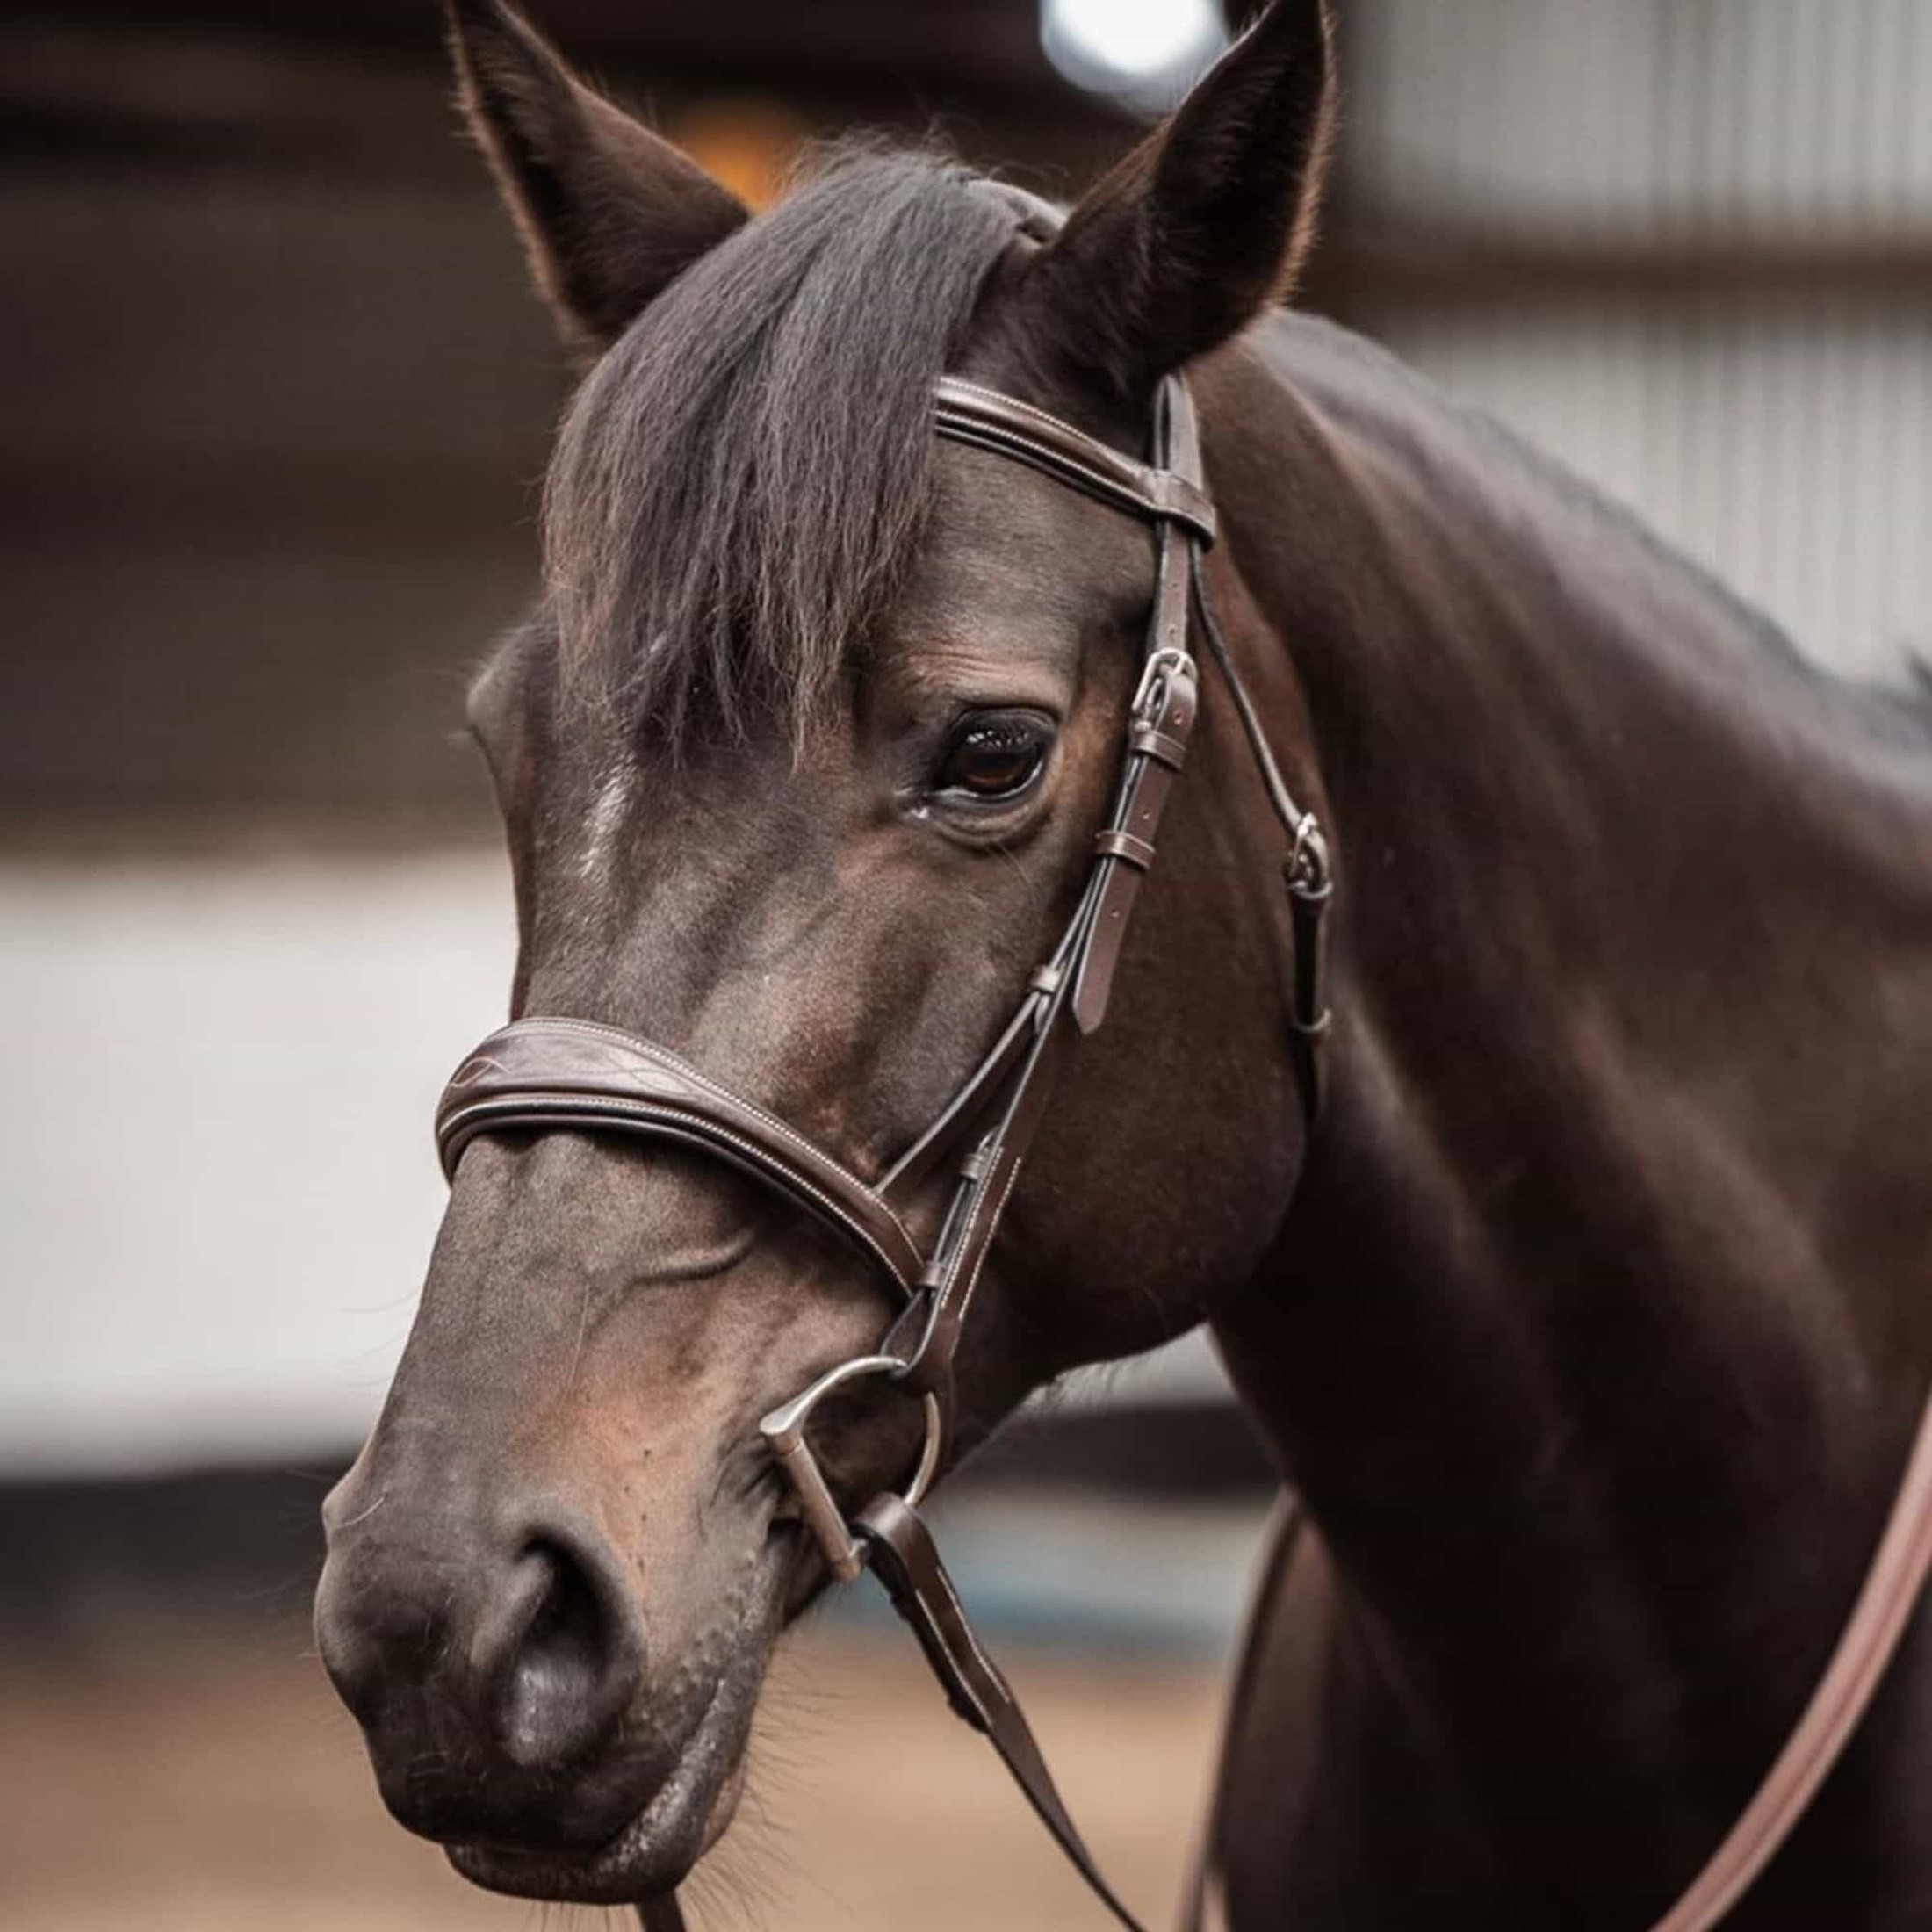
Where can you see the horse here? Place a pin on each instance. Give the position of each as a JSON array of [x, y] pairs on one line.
[[1585, 1316]]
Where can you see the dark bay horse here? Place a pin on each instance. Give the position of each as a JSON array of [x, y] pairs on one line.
[[1590, 1320]]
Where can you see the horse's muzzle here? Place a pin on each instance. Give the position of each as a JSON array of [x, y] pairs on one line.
[[493, 1660]]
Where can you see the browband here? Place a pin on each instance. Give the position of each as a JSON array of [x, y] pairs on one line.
[[962, 412]]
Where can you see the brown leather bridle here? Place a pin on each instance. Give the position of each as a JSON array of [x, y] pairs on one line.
[[558, 1074]]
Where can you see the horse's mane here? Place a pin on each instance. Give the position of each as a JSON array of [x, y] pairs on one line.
[[739, 483]]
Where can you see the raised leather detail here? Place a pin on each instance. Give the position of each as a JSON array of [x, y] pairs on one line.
[[1156, 743], [542, 1073], [1113, 844]]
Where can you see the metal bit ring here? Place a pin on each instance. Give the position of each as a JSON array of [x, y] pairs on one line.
[[784, 1431]]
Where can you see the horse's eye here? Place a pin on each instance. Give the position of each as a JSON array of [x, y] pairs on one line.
[[995, 757]]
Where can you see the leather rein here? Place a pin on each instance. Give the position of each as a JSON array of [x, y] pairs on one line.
[[550, 1074]]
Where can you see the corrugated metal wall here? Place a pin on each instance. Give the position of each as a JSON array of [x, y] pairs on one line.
[[1777, 427], [1798, 114], [1790, 453]]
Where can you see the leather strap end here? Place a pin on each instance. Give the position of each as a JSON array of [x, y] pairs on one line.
[[1094, 988]]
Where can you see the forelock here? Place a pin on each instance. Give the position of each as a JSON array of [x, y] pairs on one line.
[[739, 483]]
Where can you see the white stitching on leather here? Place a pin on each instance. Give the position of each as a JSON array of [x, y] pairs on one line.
[[1161, 493], [702, 1127], [647, 1051], [965, 1623], [964, 385], [986, 1248]]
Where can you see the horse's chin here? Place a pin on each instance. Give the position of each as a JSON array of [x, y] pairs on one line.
[[684, 1818]]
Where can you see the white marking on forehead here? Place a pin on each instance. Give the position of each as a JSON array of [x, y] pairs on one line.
[[605, 819]]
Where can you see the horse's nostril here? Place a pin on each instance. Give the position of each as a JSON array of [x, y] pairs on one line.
[[569, 1676], [492, 1656]]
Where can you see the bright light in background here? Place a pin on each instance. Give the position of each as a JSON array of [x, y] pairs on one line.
[[1144, 52]]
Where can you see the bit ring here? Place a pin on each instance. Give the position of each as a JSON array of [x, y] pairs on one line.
[[783, 1430]]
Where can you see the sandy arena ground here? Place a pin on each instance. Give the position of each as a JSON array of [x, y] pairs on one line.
[[218, 1788]]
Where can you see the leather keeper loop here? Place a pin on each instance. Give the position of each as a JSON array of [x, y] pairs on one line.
[[1159, 746], [1115, 844]]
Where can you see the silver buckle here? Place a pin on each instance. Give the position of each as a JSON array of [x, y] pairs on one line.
[[1163, 663], [784, 1432], [1308, 867]]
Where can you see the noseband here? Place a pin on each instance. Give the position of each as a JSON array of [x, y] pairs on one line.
[[541, 1075]]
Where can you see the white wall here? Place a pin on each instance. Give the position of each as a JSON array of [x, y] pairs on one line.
[[1621, 114], [217, 1185], [1784, 441], [1789, 450]]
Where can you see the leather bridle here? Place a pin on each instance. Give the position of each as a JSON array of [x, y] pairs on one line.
[[548, 1074], [545, 1074]]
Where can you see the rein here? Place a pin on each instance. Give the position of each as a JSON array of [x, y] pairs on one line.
[[547, 1074]]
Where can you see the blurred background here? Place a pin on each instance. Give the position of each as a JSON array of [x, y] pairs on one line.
[[275, 404]]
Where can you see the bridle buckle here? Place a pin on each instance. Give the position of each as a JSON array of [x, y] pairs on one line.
[[1171, 660], [1307, 870]]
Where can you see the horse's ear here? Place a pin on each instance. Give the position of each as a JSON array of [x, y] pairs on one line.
[[1208, 220], [610, 213]]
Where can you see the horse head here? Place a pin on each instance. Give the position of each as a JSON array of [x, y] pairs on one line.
[[801, 755]]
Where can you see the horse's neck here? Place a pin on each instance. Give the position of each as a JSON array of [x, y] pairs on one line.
[[1601, 1319]]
